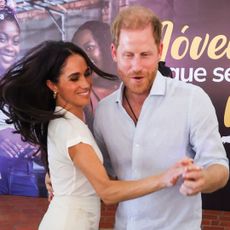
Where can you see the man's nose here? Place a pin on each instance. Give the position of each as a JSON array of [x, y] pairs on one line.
[[136, 64]]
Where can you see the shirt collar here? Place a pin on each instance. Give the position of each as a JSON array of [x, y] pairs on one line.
[[120, 93], [158, 87]]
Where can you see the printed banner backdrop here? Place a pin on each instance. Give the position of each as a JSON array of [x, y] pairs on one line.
[[196, 47]]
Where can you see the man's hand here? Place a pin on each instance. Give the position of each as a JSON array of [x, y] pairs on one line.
[[194, 180], [205, 180], [49, 187]]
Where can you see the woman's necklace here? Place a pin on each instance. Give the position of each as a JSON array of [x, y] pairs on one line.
[[130, 108]]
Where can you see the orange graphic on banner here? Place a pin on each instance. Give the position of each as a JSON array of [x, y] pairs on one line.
[[227, 114], [214, 47]]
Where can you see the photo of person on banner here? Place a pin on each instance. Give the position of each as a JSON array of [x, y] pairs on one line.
[[10, 38], [94, 38], [18, 159]]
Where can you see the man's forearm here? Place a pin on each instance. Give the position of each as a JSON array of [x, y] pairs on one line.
[[217, 177]]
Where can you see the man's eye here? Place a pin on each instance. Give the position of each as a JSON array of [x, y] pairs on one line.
[[128, 55], [145, 54]]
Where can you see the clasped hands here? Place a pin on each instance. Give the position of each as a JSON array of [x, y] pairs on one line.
[[193, 177]]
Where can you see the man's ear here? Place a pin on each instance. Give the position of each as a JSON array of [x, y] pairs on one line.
[[51, 86], [114, 52], [160, 50]]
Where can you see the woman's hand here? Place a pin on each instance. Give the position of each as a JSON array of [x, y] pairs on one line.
[[171, 176]]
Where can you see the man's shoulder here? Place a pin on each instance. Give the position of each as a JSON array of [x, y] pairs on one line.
[[180, 85], [188, 92]]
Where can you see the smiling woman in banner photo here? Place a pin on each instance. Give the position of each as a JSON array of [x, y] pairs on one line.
[[94, 38], [21, 172]]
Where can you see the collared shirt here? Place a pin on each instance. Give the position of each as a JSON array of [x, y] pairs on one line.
[[177, 119]]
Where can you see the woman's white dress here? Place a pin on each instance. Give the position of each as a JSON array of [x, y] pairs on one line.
[[75, 205]]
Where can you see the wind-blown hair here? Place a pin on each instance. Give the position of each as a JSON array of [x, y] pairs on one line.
[[24, 96]]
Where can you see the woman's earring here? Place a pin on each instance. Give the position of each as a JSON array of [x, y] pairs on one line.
[[55, 95]]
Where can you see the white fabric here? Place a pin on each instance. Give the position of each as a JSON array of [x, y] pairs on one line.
[[69, 183], [72, 213], [177, 120]]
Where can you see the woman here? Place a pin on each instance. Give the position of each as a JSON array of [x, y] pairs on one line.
[[51, 105], [19, 172]]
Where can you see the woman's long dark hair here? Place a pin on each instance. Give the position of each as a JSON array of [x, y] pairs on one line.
[[24, 95]]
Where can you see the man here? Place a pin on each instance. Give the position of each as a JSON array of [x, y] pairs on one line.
[[150, 123]]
